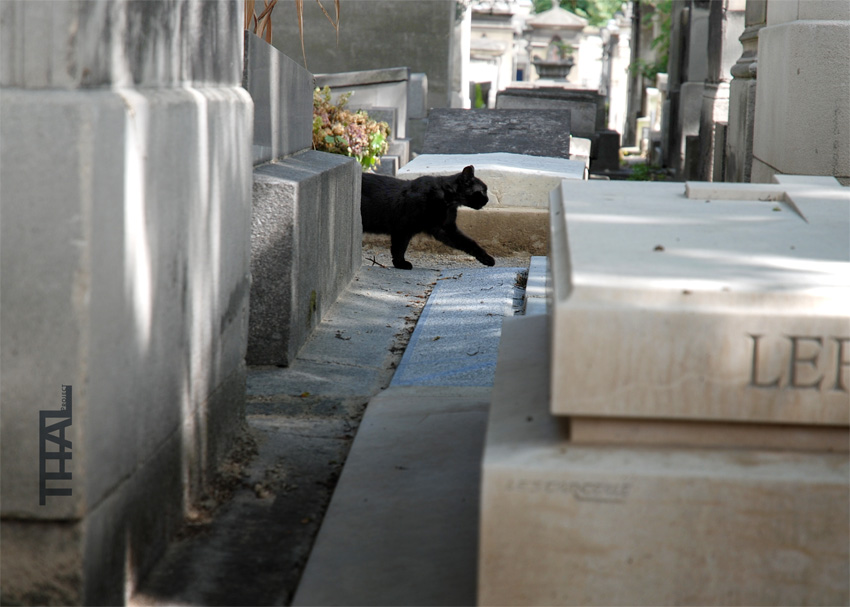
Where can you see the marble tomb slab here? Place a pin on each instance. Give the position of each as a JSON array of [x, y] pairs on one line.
[[647, 524], [702, 301]]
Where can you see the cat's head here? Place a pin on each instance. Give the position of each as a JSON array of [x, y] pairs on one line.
[[469, 190]]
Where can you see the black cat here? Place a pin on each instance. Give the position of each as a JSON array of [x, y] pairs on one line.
[[427, 204]]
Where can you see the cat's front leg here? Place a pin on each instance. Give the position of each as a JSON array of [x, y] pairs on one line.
[[453, 237], [398, 247]]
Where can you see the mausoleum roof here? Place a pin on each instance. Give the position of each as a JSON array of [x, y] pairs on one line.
[[557, 18]]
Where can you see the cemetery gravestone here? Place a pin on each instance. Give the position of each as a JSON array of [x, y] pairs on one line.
[[540, 133], [125, 283], [685, 439], [587, 107], [740, 303]]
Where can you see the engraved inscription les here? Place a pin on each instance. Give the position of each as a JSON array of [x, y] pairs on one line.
[[809, 362]]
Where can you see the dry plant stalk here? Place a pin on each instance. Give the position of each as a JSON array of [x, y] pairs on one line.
[[250, 16], [263, 21], [299, 7]]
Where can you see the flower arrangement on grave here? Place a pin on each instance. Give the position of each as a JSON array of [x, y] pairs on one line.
[[340, 131]]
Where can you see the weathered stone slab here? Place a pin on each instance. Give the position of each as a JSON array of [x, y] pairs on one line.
[[305, 248], [66, 45], [539, 133], [792, 82], [125, 279], [282, 92], [728, 304], [587, 107], [382, 88], [567, 524], [402, 527], [417, 96]]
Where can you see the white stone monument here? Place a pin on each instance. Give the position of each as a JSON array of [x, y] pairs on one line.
[[803, 78], [125, 179], [683, 439]]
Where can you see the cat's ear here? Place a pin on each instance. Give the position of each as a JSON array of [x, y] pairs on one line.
[[469, 172]]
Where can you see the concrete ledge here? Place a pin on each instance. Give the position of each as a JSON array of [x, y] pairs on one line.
[[402, 527], [612, 525], [305, 248], [363, 77], [536, 299]]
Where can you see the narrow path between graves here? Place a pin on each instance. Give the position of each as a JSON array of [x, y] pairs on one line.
[[250, 540]]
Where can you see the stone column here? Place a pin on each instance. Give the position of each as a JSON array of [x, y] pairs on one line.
[[688, 78], [459, 56], [725, 24], [125, 180], [742, 97], [802, 107]]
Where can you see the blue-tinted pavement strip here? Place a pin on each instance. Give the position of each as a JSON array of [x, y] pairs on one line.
[[456, 340]]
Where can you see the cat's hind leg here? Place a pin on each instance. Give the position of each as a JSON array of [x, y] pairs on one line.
[[453, 237], [398, 247]]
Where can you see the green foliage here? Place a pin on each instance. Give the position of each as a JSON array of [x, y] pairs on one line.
[[597, 12], [565, 49], [661, 43], [647, 172], [341, 131], [479, 97]]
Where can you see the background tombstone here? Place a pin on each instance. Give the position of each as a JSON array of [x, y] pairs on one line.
[[533, 133], [688, 69], [675, 430], [742, 97], [725, 26], [802, 105], [427, 37], [587, 107]]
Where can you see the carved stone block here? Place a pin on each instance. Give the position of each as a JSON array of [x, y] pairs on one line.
[[719, 302]]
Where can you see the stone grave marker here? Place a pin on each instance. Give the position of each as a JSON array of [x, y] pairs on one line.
[[675, 430], [706, 302], [587, 106], [537, 133]]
